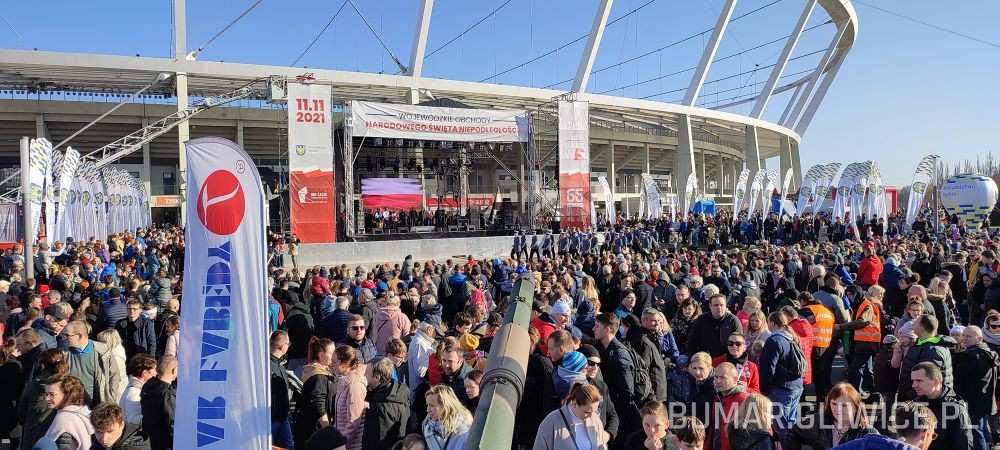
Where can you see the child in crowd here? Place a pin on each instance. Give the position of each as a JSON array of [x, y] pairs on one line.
[[472, 381], [655, 431], [690, 433]]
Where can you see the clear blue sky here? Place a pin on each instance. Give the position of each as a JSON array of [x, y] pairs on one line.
[[906, 89]]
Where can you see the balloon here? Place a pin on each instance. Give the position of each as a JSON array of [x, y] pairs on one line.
[[970, 196]]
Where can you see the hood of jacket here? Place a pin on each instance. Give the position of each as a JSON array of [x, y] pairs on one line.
[[389, 392], [935, 298], [457, 279], [941, 341], [387, 312], [315, 369]]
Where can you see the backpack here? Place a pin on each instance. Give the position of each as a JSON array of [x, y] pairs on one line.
[[799, 370], [642, 385]]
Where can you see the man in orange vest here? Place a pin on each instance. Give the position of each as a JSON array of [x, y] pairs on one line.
[[867, 327], [822, 321]]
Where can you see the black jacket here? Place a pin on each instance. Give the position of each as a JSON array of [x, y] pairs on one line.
[[976, 367], [609, 416], [385, 420], [709, 334], [743, 439], [299, 325], [936, 350], [280, 403], [954, 430], [158, 400], [819, 433], [643, 297], [529, 411], [140, 340], [161, 330], [317, 400], [12, 379], [645, 345], [133, 438]]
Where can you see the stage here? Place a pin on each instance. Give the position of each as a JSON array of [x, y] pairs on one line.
[[479, 244], [430, 234]]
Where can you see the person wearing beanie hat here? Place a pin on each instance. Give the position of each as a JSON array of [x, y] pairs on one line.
[[474, 357], [326, 438], [569, 372]]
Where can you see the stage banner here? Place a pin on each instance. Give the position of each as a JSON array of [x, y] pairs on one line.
[[392, 193], [373, 120], [223, 392], [808, 188], [310, 163], [755, 188], [67, 171], [574, 164], [39, 159], [609, 200], [741, 191], [823, 185], [921, 179]]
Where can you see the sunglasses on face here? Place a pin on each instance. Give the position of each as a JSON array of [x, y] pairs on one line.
[[735, 344], [593, 364], [357, 328], [995, 326]]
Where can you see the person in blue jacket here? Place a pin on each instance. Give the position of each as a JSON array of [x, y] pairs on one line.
[[914, 425], [782, 366]]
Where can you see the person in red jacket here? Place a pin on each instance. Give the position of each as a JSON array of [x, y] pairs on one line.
[[731, 394], [804, 330], [736, 354], [869, 269]]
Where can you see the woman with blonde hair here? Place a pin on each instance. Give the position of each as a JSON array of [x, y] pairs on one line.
[[448, 422], [588, 304], [756, 329], [113, 340], [750, 429], [576, 425]]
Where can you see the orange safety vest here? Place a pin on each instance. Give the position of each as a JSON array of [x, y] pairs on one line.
[[823, 325], [873, 332]]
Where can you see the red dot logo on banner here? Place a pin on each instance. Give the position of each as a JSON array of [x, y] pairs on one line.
[[220, 203]]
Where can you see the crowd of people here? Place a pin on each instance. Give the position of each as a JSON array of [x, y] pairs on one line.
[[705, 333]]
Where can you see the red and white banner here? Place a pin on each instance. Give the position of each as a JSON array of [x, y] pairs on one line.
[[223, 393], [574, 164], [387, 120], [310, 163], [392, 193]]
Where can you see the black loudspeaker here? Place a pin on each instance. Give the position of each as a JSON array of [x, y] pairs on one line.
[[555, 227], [507, 213]]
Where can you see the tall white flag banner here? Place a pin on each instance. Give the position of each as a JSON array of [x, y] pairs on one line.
[[741, 191], [39, 159], [690, 190], [843, 187], [784, 191], [921, 179], [609, 200], [858, 191], [808, 188], [823, 187], [67, 170], [755, 187], [574, 164], [772, 181], [223, 392], [52, 196]]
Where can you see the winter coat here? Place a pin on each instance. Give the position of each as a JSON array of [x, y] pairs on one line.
[[71, 428], [530, 410], [554, 435], [158, 400], [943, 311], [390, 323], [709, 334], [114, 310], [935, 349], [886, 376], [299, 325], [724, 409], [818, 436], [160, 292], [749, 375], [32, 411], [644, 344], [132, 438], [804, 331], [977, 367], [12, 378], [869, 270], [835, 303], [317, 400], [743, 439], [992, 297], [110, 379], [619, 373], [681, 327], [876, 442], [142, 340], [334, 325], [697, 398], [280, 402], [637, 441], [387, 415], [609, 415], [366, 349], [954, 429], [777, 363], [350, 406], [545, 326]]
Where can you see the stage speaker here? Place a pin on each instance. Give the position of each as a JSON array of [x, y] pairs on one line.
[[359, 215], [507, 213], [555, 227]]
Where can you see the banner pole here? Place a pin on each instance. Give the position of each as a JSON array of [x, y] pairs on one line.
[[29, 241]]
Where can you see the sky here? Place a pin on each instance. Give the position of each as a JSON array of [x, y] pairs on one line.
[[906, 89]]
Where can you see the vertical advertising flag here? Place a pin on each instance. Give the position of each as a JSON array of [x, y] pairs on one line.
[[823, 185], [310, 164], [223, 391], [39, 159], [609, 200], [921, 179], [67, 171], [808, 188], [772, 180], [741, 191], [755, 188], [784, 190], [52, 196], [690, 191], [574, 164]]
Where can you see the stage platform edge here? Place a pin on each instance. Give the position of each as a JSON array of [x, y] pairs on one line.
[[354, 253]]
